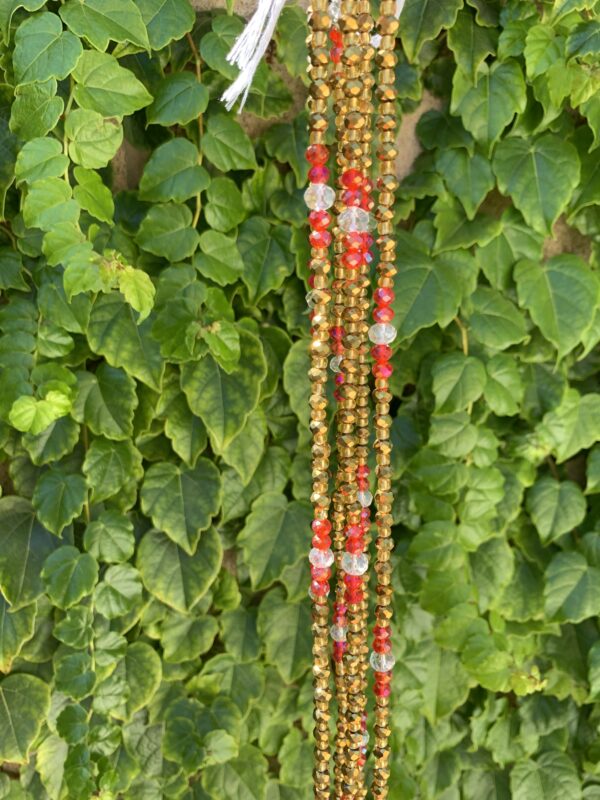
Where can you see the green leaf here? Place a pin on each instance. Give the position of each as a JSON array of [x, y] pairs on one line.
[[34, 416], [167, 231], [504, 388], [105, 401], [291, 35], [173, 172], [573, 425], [92, 195], [219, 258], [119, 591], [287, 143], [138, 290], [109, 465], [469, 177], [222, 400], [572, 591], [422, 20], [495, 321], [445, 683], [186, 431], [470, 43], [187, 638], [244, 777], [58, 499], [539, 175], [69, 576], [25, 702], [103, 85], [24, 546], [182, 502], [458, 381], [555, 507], [224, 209], [240, 634], [49, 201], [584, 40], [16, 628], [226, 145], [113, 333], [93, 140], [36, 109], [285, 629], [141, 669], [551, 776], [265, 251], [174, 577], [101, 21], [488, 104], [455, 230], [43, 50], [178, 100], [223, 341], [40, 158], [110, 538], [245, 452], [8, 8], [561, 297], [166, 20], [274, 537]]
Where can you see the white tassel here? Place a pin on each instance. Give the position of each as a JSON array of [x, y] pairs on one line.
[[250, 47]]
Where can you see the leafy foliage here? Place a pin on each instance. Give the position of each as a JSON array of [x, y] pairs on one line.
[[154, 625]]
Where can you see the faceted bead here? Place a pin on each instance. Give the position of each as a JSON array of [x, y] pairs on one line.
[[381, 352], [336, 54], [319, 588], [382, 333], [382, 662], [382, 690], [321, 542], [312, 298], [355, 563], [383, 296], [382, 646], [352, 259], [334, 364], [319, 574], [382, 370], [355, 219], [365, 517], [352, 197], [365, 498], [336, 332], [317, 154], [383, 314], [322, 527], [352, 179], [354, 241], [355, 545], [334, 8], [319, 220], [354, 596], [338, 633], [318, 174], [335, 34], [321, 558], [381, 632], [320, 238], [376, 40], [363, 470], [353, 581], [338, 650], [353, 530], [319, 196], [339, 379]]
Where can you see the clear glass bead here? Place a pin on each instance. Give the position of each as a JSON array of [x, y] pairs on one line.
[[382, 333], [355, 219], [365, 738], [334, 9], [382, 662], [376, 40], [319, 196], [355, 563], [365, 498], [334, 364], [311, 299], [321, 558], [338, 633]]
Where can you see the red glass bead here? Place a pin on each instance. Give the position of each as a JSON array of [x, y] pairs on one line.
[[320, 573], [352, 197], [353, 581], [354, 241], [383, 296], [365, 515], [319, 220], [339, 608], [352, 179], [353, 530], [318, 174], [336, 54], [365, 202], [322, 527], [363, 470], [383, 314], [355, 545], [317, 154], [354, 596], [382, 646], [353, 259], [339, 378], [321, 542], [337, 348], [320, 238], [361, 761], [336, 37], [336, 332], [382, 370], [319, 588], [383, 678], [311, 280], [382, 633], [367, 240], [337, 396], [382, 690], [381, 352], [338, 650]]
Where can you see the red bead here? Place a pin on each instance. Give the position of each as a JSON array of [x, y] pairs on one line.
[[319, 588], [381, 352], [353, 581], [321, 542], [336, 37], [337, 396], [320, 573], [354, 596], [382, 633], [355, 545], [383, 296], [365, 202], [317, 154], [322, 527], [382, 370], [383, 314], [352, 197], [352, 179], [382, 646], [354, 241], [339, 608], [336, 54], [338, 650], [337, 348], [318, 174], [384, 678], [311, 280], [382, 690], [363, 470], [319, 220], [353, 530], [352, 259], [365, 515], [367, 239], [339, 378], [336, 332], [320, 238]]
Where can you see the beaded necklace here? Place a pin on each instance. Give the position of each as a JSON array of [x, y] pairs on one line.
[[342, 44]]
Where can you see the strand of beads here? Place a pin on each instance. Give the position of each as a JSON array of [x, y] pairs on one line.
[[319, 198], [382, 333]]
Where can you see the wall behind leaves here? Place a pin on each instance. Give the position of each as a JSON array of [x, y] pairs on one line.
[[154, 629]]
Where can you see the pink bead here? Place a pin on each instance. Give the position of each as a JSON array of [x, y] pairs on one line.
[[382, 633], [339, 378], [336, 54], [352, 197], [320, 573], [382, 370], [382, 690], [318, 174], [383, 296]]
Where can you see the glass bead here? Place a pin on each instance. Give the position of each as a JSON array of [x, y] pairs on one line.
[[355, 563], [319, 196], [317, 154], [382, 662], [334, 364], [376, 40], [321, 558], [355, 219], [334, 9], [312, 298], [338, 633], [365, 498], [382, 333]]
